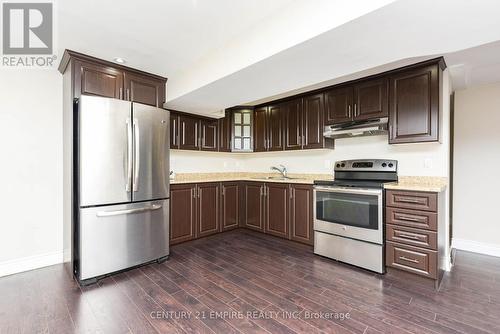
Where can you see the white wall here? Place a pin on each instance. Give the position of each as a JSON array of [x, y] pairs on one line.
[[204, 162], [31, 169], [476, 226], [412, 158]]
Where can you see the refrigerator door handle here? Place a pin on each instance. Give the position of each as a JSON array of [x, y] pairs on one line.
[[128, 211], [129, 155], [137, 155]]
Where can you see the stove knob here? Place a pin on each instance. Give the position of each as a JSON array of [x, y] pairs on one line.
[[343, 165], [391, 165], [384, 164], [338, 165]]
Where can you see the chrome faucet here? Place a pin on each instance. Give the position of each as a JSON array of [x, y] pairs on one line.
[[282, 170]]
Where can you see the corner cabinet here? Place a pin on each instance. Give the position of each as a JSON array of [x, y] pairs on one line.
[[93, 76], [414, 105]]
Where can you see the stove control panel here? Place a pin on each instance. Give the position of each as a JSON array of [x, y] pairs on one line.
[[367, 165]]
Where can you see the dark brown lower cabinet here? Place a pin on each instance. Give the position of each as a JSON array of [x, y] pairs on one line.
[[207, 208], [230, 205], [276, 209], [182, 213], [254, 205], [301, 213], [280, 209]]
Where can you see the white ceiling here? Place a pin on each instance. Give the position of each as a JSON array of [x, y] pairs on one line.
[[220, 53]]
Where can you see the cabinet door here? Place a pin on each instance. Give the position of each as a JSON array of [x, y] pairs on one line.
[[260, 130], [182, 212], [254, 205], [145, 90], [96, 79], [338, 105], [230, 205], [276, 210], [208, 208], [189, 133], [293, 125], [414, 106], [174, 130], [371, 99], [275, 127], [313, 121], [225, 125], [301, 213], [208, 135]]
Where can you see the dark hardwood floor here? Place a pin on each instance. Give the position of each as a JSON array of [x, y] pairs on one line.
[[243, 281]]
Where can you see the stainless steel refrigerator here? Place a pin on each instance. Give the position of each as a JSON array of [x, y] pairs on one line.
[[121, 186]]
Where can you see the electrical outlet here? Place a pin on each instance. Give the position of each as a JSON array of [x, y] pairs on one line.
[[427, 163]]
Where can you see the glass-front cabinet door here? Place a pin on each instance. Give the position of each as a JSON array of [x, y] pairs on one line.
[[242, 130]]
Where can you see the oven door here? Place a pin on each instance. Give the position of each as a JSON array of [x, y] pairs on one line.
[[349, 212]]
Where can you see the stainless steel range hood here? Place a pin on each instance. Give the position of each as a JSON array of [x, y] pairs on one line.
[[357, 129]]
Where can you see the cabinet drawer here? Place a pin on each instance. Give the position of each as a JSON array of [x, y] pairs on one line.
[[411, 236], [412, 200], [411, 218], [419, 261]]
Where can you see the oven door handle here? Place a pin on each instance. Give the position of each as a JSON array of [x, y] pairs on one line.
[[349, 190]]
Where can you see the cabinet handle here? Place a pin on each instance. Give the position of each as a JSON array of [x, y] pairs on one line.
[[291, 193], [121, 93], [174, 135], [198, 191], [355, 110], [412, 219], [193, 192], [409, 236], [261, 192], [196, 140], [128, 94], [349, 112], [408, 259], [223, 191], [409, 200]]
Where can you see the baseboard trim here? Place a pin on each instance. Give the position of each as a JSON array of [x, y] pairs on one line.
[[476, 247], [29, 263]]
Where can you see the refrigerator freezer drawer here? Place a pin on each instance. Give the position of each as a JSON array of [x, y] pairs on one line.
[[113, 238]]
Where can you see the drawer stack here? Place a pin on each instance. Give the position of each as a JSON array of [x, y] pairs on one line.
[[411, 232]]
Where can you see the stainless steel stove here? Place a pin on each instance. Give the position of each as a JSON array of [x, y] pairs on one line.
[[349, 215]]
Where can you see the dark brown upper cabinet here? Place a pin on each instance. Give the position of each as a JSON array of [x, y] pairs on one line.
[[260, 129], [304, 124], [414, 105], [294, 125], [208, 134], [313, 123], [364, 100], [225, 124], [276, 209], [275, 119], [174, 130], [143, 89], [338, 105], [97, 79], [93, 76], [189, 129], [371, 99], [230, 205]]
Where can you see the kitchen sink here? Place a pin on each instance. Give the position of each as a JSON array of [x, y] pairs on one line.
[[279, 178]]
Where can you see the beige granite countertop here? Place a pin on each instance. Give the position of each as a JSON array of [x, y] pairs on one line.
[[243, 176], [411, 183], [419, 183]]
